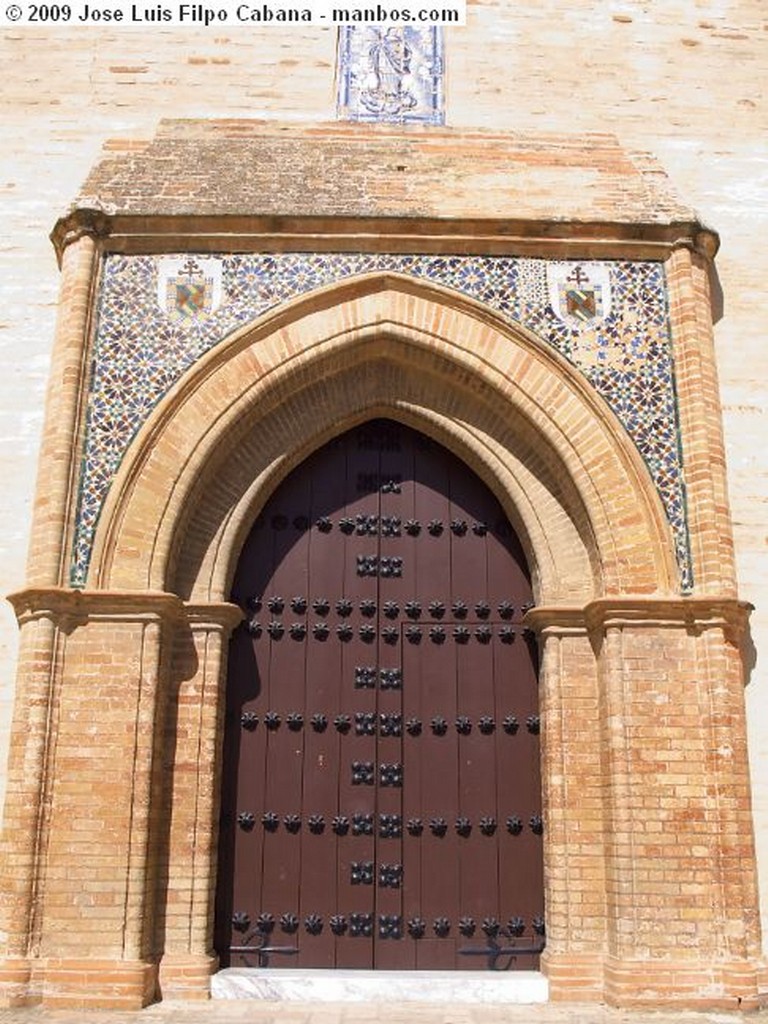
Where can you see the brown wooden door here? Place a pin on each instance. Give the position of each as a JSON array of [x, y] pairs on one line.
[[381, 801]]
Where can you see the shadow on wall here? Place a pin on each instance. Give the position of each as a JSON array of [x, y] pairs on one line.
[[717, 299], [748, 652]]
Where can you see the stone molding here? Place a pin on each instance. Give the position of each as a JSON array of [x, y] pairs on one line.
[[695, 614], [216, 615], [234, 186], [69, 608], [555, 238], [65, 605]]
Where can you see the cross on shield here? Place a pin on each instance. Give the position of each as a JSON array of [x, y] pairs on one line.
[[580, 293], [188, 287]]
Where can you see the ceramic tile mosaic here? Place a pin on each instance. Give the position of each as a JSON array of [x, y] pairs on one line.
[[158, 314], [393, 75]]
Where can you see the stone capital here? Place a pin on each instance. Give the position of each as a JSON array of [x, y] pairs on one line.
[[217, 616], [71, 608], [638, 611], [80, 222]]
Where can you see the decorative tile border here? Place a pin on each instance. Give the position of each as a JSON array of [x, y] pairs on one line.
[[394, 75], [158, 314]]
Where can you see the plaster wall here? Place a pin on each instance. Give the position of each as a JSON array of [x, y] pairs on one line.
[[686, 80]]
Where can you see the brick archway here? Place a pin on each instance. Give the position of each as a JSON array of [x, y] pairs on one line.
[[635, 679], [522, 417]]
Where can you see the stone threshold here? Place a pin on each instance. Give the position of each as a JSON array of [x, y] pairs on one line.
[[348, 986]]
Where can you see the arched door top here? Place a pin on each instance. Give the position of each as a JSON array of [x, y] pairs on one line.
[[382, 801], [519, 414]]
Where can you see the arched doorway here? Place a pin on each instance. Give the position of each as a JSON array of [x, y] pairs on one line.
[[381, 798], [627, 666]]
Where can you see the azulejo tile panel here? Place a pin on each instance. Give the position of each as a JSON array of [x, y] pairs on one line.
[[158, 314], [392, 75]]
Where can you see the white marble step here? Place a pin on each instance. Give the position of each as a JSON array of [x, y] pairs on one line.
[[340, 986]]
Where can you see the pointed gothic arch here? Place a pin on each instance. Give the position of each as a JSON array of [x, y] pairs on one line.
[[626, 662], [519, 413]]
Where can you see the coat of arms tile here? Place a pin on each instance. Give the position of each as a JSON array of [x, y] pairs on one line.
[[579, 293], [188, 287]]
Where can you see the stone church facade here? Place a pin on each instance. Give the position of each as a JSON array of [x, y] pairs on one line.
[[234, 295]]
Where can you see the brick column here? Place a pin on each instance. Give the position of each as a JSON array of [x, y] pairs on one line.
[[649, 862], [25, 801], [85, 872], [681, 895], [60, 446], [701, 424], [574, 871], [194, 731]]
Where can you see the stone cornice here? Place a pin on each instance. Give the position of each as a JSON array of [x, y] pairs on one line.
[[640, 612], [231, 185], [71, 608], [693, 613], [560, 239]]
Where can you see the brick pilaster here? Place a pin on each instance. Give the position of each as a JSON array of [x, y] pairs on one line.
[[701, 425], [193, 776], [60, 449]]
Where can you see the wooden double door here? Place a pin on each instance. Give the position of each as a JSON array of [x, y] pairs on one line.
[[381, 799]]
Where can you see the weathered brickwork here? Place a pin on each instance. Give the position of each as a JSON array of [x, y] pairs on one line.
[[649, 830]]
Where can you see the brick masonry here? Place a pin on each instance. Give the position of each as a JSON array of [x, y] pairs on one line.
[[127, 881], [653, 78], [379, 170]]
